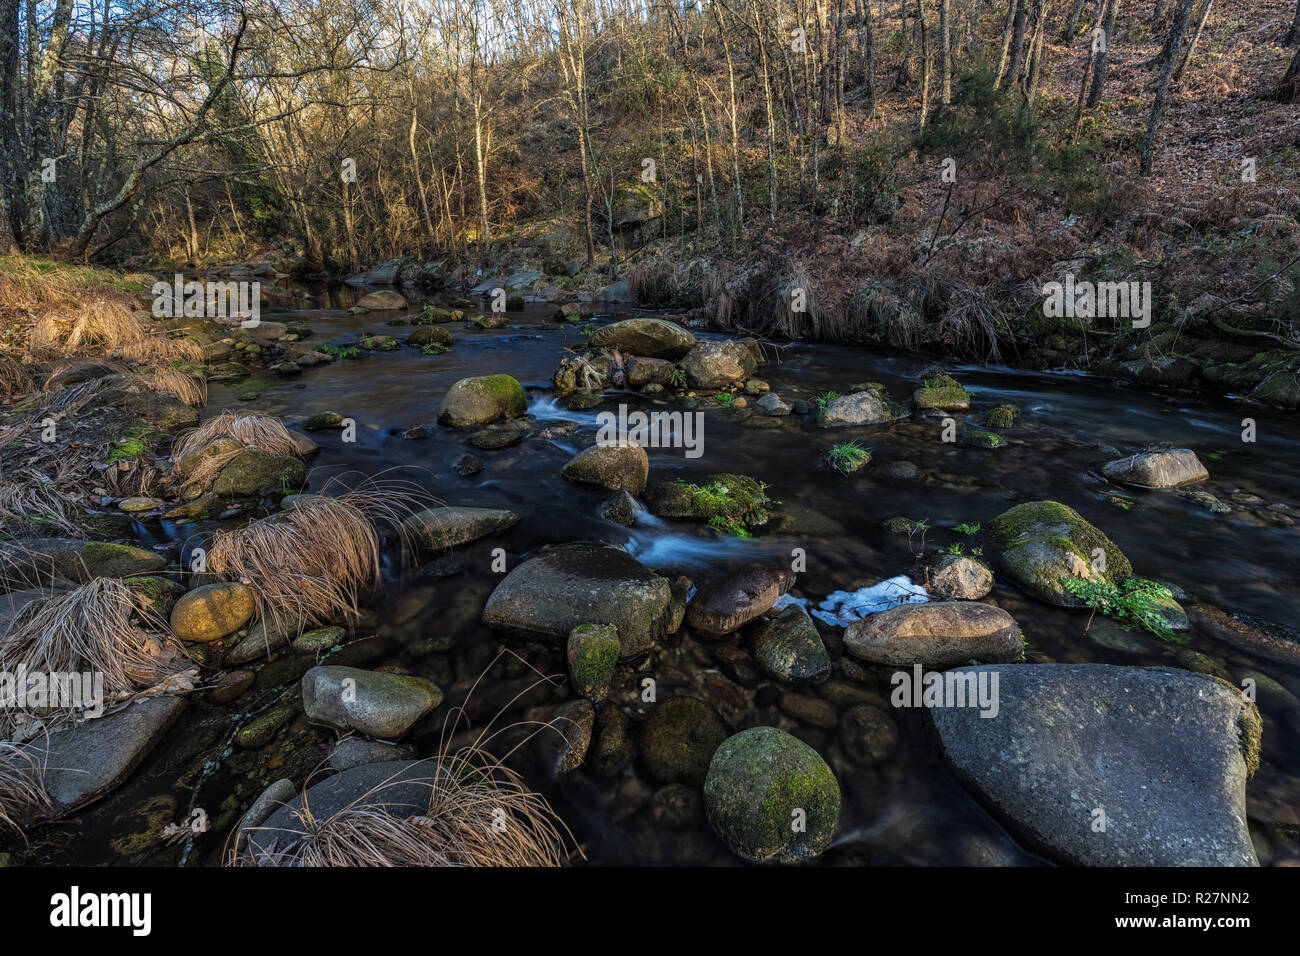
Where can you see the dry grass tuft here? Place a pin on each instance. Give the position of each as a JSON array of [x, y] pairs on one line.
[[92, 628], [251, 431], [15, 383], [108, 326], [480, 813], [314, 563], [190, 389], [22, 790]]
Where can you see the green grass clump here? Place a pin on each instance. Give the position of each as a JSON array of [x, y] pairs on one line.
[[725, 399], [677, 378], [738, 500], [1134, 602], [847, 457], [1002, 416], [340, 351], [433, 348]]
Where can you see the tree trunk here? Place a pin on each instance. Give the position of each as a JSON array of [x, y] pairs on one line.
[[1288, 91], [1196, 36], [8, 122], [925, 64], [945, 55], [1072, 21], [1103, 55], [1182, 13], [40, 116], [1007, 28], [1293, 35], [1017, 44]]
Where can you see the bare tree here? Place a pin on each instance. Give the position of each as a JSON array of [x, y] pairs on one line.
[[1182, 13]]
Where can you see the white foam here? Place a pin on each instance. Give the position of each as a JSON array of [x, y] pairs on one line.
[[842, 608]]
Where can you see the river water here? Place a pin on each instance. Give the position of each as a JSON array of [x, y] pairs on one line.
[[900, 808]]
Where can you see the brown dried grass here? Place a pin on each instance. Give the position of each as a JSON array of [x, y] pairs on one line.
[[22, 788], [106, 326], [251, 431]]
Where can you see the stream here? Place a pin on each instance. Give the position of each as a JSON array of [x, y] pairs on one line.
[[899, 808]]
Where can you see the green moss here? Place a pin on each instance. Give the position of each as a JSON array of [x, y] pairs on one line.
[[1001, 416], [736, 498]]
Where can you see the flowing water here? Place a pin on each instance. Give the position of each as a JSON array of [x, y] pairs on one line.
[[902, 807]]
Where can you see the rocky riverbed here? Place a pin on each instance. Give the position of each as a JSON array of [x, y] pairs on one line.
[[729, 652]]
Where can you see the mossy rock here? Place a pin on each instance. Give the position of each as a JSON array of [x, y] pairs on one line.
[[593, 653], [160, 593], [429, 335], [1038, 544], [1001, 416], [979, 438], [941, 392], [254, 473], [482, 399], [323, 420], [380, 343], [679, 739], [770, 796], [725, 496]]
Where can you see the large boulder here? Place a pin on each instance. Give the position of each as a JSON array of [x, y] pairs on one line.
[[481, 399], [760, 783], [40, 562], [654, 338], [1097, 765], [374, 703], [618, 466], [438, 529], [1039, 543], [551, 594], [937, 633], [727, 603], [1157, 469], [718, 364]]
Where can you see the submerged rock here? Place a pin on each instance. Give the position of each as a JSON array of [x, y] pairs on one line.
[[1157, 469], [772, 404], [496, 437], [254, 473], [374, 703], [551, 594], [448, 527], [482, 399], [679, 739], [655, 338], [620, 508], [725, 604], [623, 466], [762, 780], [1039, 543], [1267, 639], [789, 648], [938, 633], [1161, 753]]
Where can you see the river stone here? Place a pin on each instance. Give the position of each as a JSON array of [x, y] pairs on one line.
[[481, 399], [1157, 469], [959, 578], [941, 392], [551, 594], [620, 508], [429, 335], [219, 447], [438, 529], [789, 648], [92, 758], [642, 371], [725, 604], [1267, 639], [212, 611], [938, 633], [718, 364], [467, 465], [1038, 543], [358, 751], [772, 404], [756, 781], [385, 299], [318, 639], [621, 466], [679, 739], [654, 338], [593, 654], [378, 704], [562, 745], [257, 473], [403, 788], [265, 636], [858, 408], [40, 562], [162, 411], [139, 503], [1159, 750]]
